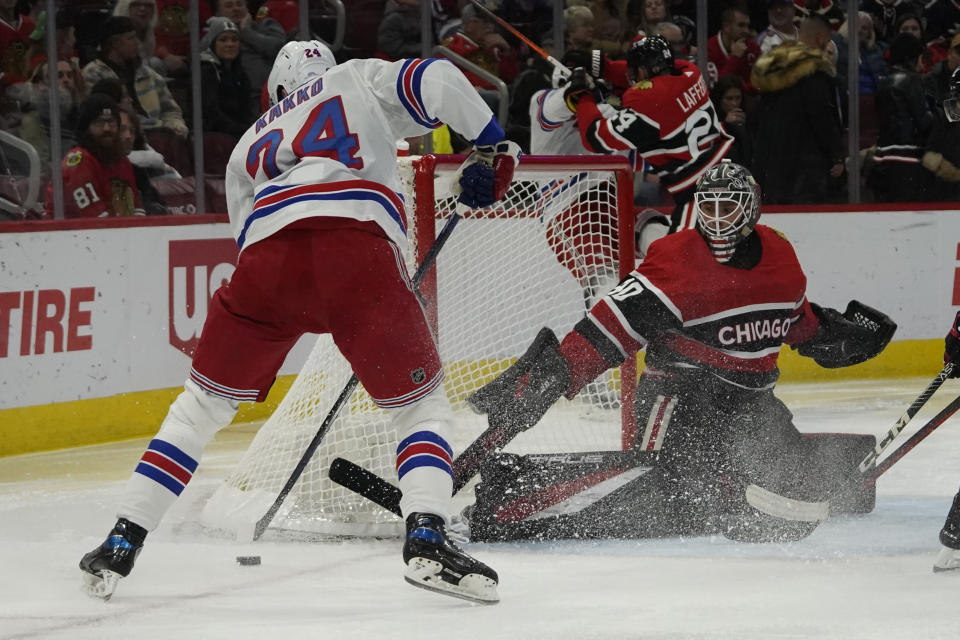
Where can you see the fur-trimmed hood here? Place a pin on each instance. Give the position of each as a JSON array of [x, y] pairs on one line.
[[784, 66]]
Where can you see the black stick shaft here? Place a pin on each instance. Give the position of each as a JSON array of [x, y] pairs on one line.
[[911, 411], [348, 389], [913, 441]]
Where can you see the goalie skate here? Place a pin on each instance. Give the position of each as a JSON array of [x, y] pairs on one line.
[[436, 564], [113, 559]]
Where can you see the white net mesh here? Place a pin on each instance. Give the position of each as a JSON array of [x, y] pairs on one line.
[[537, 258]]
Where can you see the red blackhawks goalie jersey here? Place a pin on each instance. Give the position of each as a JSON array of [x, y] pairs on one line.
[[693, 313], [669, 120]]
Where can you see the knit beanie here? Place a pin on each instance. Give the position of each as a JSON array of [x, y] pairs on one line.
[[215, 26], [96, 105]]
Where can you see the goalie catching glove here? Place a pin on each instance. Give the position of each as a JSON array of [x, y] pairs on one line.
[[486, 174], [518, 397], [842, 340]]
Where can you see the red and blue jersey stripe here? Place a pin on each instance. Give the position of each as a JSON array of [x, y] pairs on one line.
[[409, 84], [274, 198], [424, 449], [167, 465], [545, 124]]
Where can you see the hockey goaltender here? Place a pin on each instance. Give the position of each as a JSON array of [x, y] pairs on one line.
[[717, 451]]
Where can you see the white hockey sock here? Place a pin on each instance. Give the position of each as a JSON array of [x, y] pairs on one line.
[[424, 455], [173, 455]]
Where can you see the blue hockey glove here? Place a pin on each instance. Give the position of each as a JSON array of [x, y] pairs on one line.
[[487, 173]]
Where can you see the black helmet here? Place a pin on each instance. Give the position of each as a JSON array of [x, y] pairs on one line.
[[653, 53], [727, 202], [951, 101]]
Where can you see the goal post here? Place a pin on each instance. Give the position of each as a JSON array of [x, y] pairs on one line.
[[561, 237]]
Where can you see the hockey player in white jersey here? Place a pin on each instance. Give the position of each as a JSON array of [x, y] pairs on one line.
[[315, 208]]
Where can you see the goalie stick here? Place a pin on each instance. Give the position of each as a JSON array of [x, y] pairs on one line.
[[348, 389]]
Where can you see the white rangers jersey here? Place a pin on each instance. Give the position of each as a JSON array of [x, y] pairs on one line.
[[553, 127], [329, 148]]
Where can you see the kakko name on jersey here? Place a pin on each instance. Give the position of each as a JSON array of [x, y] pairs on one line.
[[333, 140]]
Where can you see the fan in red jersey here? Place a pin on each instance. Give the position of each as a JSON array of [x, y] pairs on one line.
[[712, 307], [98, 179]]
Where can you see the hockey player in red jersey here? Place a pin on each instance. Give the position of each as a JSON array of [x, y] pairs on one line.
[[313, 199], [712, 307], [666, 116]]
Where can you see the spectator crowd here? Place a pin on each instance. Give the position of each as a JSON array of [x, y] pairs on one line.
[[776, 69]]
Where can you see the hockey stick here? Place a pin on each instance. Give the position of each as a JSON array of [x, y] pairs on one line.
[[913, 441], [911, 411], [418, 277], [377, 490], [564, 71], [468, 463]]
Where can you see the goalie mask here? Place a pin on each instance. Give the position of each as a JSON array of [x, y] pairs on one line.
[[951, 103], [296, 63], [727, 202]]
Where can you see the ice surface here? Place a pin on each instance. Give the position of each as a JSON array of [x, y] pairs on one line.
[[864, 577]]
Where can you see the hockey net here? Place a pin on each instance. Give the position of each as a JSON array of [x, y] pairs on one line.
[[537, 258]]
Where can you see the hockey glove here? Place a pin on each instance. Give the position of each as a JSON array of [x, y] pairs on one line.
[[951, 346], [518, 397], [842, 340], [487, 173], [581, 83]]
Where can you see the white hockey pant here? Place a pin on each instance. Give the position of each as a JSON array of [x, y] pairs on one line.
[[173, 455], [423, 455]]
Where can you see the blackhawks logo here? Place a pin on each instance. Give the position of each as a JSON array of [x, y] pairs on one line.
[[74, 158]]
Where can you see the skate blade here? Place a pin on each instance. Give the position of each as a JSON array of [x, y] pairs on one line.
[[473, 587], [948, 560], [100, 586]]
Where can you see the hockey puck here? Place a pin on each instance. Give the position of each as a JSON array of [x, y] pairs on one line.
[[248, 561]]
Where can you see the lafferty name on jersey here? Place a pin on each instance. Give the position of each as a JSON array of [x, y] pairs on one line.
[[754, 331], [293, 100], [693, 96]]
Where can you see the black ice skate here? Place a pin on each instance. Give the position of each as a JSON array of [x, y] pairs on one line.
[[435, 563], [104, 566], [949, 558]]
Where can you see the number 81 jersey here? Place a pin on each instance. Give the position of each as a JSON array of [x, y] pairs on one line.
[[669, 120], [329, 147]]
